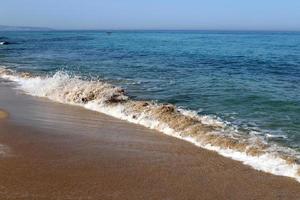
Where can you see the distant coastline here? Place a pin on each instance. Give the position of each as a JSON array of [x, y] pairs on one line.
[[24, 28], [30, 28]]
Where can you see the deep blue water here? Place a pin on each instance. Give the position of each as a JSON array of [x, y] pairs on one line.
[[249, 79]]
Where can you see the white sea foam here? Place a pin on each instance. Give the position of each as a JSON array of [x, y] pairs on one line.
[[272, 136], [204, 131]]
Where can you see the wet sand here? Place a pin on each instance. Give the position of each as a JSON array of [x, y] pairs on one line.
[[3, 114], [56, 151]]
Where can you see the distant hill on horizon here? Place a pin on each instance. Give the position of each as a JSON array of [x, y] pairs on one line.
[[23, 28]]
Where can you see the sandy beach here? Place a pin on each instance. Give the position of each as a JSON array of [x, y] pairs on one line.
[[56, 151]]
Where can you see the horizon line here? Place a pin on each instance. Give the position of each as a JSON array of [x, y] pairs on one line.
[[144, 29]]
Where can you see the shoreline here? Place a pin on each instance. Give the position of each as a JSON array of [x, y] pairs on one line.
[[68, 152], [202, 131]]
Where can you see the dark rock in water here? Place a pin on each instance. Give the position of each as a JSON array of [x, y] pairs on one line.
[[84, 100]]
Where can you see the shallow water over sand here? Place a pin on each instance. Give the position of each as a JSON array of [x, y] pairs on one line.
[[3, 114]]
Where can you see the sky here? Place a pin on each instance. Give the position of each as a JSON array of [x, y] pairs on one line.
[[153, 14]]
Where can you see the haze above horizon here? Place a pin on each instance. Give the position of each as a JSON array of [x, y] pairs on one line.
[[158, 15]]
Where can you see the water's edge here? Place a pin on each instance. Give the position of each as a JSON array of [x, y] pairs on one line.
[[202, 131]]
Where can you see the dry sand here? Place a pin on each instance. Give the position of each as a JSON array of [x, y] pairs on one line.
[[55, 151]]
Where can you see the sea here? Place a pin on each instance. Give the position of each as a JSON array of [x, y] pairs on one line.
[[234, 92]]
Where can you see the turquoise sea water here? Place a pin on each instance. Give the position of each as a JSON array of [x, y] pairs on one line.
[[250, 80]]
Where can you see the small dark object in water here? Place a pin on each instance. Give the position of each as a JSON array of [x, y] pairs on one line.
[[145, 104], [84, 100], [168, 108], [4, 43], [108, 33]]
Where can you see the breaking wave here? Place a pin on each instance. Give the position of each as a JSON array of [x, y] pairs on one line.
[[204, 131]]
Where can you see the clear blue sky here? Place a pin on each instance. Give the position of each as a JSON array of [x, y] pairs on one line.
[[153, 14]]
